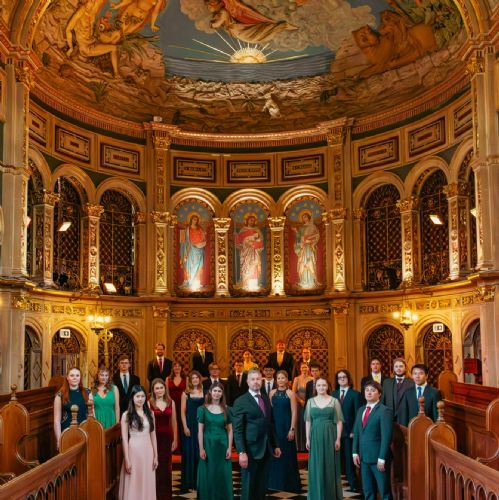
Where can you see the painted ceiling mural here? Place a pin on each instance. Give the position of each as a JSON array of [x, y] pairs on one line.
[[229, 65]]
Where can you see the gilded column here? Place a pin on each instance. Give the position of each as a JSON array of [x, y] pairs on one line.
[[338, 218], [340, 329], [222, 225], [162, 145], [90, 272], [172, 224], [329, 271], [409, 215], [277, 255], [43, 241], [161, 222], [140, 277], [459, 219], [359, 242]]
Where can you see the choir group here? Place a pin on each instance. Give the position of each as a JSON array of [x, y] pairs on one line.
[[267, 418]]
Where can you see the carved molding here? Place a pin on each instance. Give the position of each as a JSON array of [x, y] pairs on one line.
[[340, 309], [276, 223], [25, 75], [160, 217], [485, 293], [476, 65], [162, 143], [93, 210], [46, 198], [408, 204], [222, 225], [160, 312], [456, 189], [140, 217], [359, 213], [338, 213], [20, 301]]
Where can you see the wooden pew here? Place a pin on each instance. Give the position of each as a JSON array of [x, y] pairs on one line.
[[15, 427], [64, 476], [449, 474]]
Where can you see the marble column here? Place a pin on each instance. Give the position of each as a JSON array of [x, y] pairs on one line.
[[222, 225], [409, 214], [277, 255], [90, 273]]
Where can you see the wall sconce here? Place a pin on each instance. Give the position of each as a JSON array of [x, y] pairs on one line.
[[64, 226], [406, 317], [97, 325], [436, 219]]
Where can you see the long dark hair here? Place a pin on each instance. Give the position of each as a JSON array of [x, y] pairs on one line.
[[208, 400], [133, 418]]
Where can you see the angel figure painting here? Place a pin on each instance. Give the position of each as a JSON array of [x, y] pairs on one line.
[[194, 249], [250, 238], [305, 252]]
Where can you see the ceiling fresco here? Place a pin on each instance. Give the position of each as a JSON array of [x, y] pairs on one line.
[[257, 65]]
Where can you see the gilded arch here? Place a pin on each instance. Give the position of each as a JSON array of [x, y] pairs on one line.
[[126, 188]]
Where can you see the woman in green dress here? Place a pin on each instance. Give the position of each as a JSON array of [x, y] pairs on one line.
[[214, 480], [323, 426], [106, 399]]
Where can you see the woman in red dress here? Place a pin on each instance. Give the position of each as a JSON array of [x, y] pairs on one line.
[[176, 387], [165, 417]]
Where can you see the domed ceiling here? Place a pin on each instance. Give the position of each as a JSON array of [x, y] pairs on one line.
[[246, 66]]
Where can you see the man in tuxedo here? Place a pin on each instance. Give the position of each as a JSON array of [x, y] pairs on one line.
[[236, 384], [315, 372], [268, 382], [160, 366], [281, 359], [350, 401], [254, 437], [124, 381], [306, 357], [372, 435], [394, 388], [374, 376], [214, 371], [201, 358], [409, 406]]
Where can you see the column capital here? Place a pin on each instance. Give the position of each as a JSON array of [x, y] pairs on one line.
[[25, 74], [485, 293], [161, 142], [46, 198], [408, 204], [140, 217], [338, 213], [359, 213], [222, 224], [340, 309], [93, 210], [160, 217], [276, 223], [476, 64], [456, 189]]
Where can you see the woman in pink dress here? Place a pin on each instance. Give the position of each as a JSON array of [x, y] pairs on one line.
[[176, 387], [165, 418], [137, 479]]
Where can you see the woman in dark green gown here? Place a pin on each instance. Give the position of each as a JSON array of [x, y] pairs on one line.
[[215, 445], [324, 424]]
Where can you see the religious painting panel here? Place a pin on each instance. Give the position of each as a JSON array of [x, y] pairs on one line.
[[185, 345], [253, 340], [250, 250], [315, 341], [437, 352], [120, 343], [385, 343], [304, 248], [194, 249], [66, 352]]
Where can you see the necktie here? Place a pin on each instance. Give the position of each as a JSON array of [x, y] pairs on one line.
[[202, 355], [399, 383], [160, 364], [376, 378], [342, 396], [366, 415], [261, 404], [420, 390], [125, 383], [239, 379], [280, 357], [268, 387]]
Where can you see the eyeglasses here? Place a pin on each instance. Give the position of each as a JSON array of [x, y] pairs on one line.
[[342, 376]]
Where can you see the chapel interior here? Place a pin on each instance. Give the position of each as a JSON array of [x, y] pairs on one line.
[[130, 134]]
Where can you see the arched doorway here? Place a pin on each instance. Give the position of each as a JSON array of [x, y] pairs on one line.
[[121, 343], [66, 352], [32, 359], [472, 349], [385, 343], [185, 345], [254, 339], [315, 340], [437, 350]]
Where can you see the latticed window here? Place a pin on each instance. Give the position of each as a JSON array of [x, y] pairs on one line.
[[35, 187], [472, 233], [385, 343], [437, 352], [65, 353], [434, 237], [67, 242], [315, 341], [185, 345], [121, 343], [250, 339], [116, 242], [383, 239]]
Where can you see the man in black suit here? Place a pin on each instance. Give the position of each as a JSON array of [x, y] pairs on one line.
[[160, 366], [372, 435], [409, 406], [351, 401], [315, 372], [394, 388], [268, 382], [306, 357], [201, 358], [254, 438], [214, 371], [236, 384], [124, 381], [281, 359], [374, 376]]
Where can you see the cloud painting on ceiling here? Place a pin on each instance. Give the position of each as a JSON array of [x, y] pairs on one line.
[[274, 65]]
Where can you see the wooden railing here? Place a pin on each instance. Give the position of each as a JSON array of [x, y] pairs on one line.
[[64, 476]]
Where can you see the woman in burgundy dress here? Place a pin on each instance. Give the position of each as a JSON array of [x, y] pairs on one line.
[[176, 387], [165, 417]]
